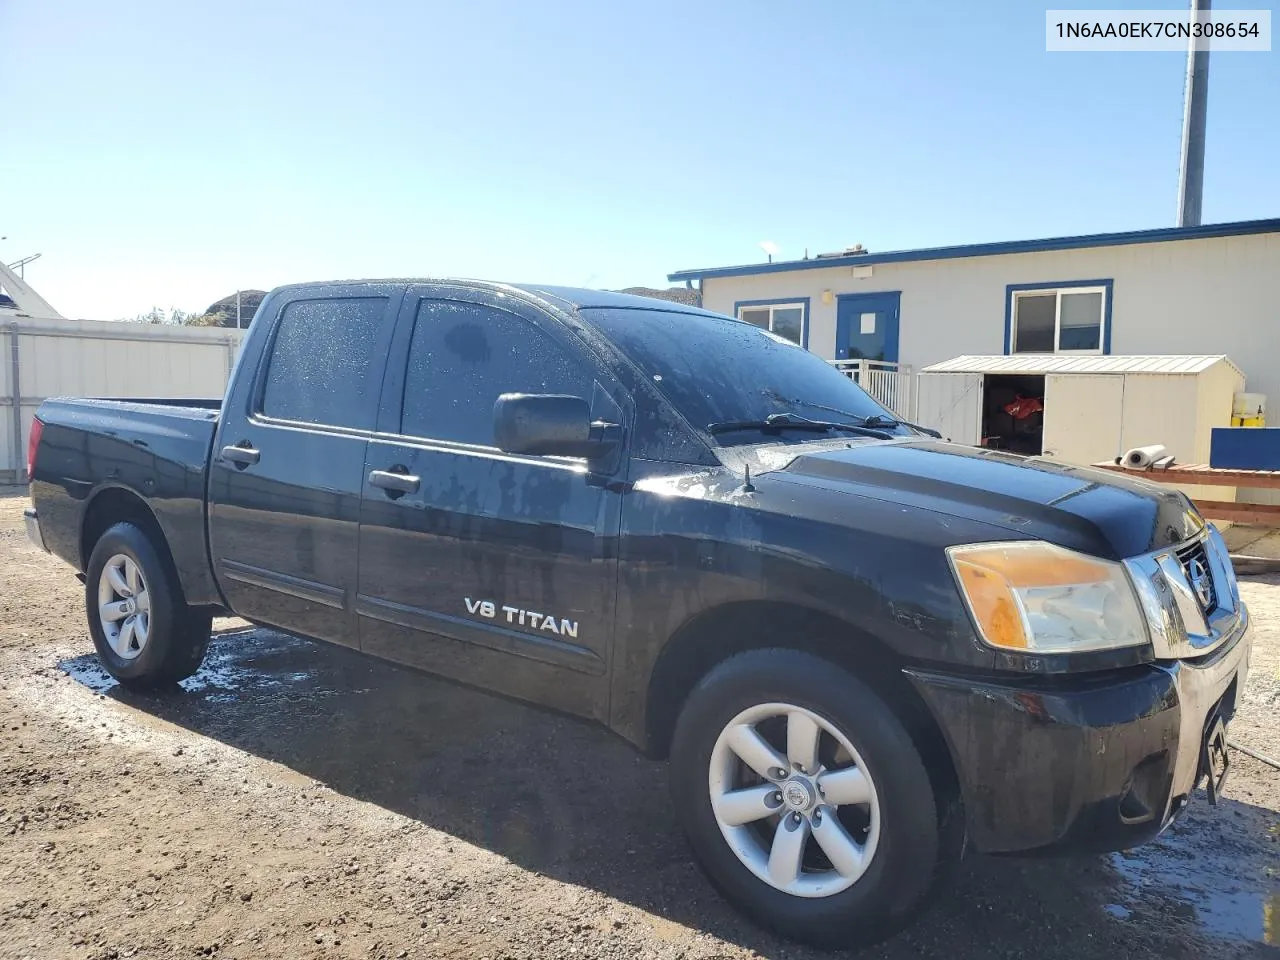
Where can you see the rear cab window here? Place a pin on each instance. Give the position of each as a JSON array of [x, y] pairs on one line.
[[326, 362]]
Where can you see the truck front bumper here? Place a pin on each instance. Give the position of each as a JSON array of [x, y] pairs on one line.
[[1073, 764]]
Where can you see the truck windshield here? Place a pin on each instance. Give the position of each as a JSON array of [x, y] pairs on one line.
[[716, 370]]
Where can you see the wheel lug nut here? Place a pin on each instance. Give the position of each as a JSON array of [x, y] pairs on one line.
[[796, 818], [776, 798], [779, 774]]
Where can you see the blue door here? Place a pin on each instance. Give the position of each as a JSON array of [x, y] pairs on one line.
[[867, 326]]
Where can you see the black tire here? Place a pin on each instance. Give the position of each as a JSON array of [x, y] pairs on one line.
[[177, 635], [903, 866]]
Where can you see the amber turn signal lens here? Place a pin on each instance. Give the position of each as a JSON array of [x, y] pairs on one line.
[[1036, 597], [993, 605]]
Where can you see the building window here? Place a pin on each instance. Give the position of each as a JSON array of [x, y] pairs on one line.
[[785, 318], [1068, 319]]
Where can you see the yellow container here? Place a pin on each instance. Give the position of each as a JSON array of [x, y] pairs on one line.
[[1249, 410]]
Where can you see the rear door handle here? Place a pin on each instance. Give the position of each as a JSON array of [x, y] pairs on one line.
[[241, 456], [394, 484]]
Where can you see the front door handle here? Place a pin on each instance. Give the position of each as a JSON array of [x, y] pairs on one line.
[[395, 484], [241, 456]]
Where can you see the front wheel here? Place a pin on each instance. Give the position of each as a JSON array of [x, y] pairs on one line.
[[145, 634], [804, 798]]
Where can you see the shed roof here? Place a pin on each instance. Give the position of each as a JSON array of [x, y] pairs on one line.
[[1039, 363]]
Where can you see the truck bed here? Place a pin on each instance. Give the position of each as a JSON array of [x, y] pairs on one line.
[[157, 450]]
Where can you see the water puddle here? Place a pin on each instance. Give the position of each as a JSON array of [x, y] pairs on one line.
[[238, 666], [1117, 911], [1230, 895], [234, 666], [87, 672]]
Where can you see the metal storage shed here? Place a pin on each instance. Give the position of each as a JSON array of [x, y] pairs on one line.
[[1094, 407]]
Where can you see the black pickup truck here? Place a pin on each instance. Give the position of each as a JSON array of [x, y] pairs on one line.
[[863, 650]]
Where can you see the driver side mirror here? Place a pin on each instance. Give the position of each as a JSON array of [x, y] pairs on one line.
[[546, 424]]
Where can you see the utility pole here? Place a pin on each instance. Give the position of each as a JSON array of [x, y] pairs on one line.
[[1195, 105], [237, 309]]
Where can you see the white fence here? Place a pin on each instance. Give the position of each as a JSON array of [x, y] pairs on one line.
[[90, 358], [889, 383]]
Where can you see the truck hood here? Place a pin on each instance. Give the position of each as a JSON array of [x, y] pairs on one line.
[[1101, 513]]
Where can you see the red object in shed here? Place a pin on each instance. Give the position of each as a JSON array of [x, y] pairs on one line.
[[1024, 407]]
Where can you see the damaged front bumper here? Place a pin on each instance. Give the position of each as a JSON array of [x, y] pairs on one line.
[[1072, 764]]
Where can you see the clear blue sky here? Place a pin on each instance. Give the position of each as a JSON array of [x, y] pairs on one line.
[[162, 152]]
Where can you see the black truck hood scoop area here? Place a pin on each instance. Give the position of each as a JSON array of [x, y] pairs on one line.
[[1104, 513]]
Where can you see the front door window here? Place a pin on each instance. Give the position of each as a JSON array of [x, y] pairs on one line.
[[867, 327]]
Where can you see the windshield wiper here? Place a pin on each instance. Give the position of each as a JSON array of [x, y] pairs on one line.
[[791, 421], [875, 422], [879, 421]]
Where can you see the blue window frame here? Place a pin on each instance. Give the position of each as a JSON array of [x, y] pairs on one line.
[[787, 317], [1063, 316]]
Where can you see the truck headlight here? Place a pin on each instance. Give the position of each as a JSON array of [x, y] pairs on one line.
[[1036, 597]]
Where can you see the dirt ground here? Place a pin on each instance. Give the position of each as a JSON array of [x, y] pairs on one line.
[[297, 800]]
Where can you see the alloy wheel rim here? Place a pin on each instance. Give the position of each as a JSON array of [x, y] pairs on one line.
[[124, 606], [794, 800]]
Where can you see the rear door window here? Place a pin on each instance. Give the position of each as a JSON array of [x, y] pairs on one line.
[[326, 362], [463, 356]]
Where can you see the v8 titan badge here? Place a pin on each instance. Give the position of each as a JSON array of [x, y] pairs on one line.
[[517, 617]]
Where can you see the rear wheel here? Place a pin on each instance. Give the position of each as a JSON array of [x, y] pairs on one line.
[[144, 632], [804, 798]]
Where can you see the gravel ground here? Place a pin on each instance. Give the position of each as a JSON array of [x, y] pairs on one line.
[[297, 800]]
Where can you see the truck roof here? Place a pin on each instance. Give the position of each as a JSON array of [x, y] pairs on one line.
[[566, 298]]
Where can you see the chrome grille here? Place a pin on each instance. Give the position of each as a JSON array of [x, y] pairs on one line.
[[1194, 560], [1189, 595]]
